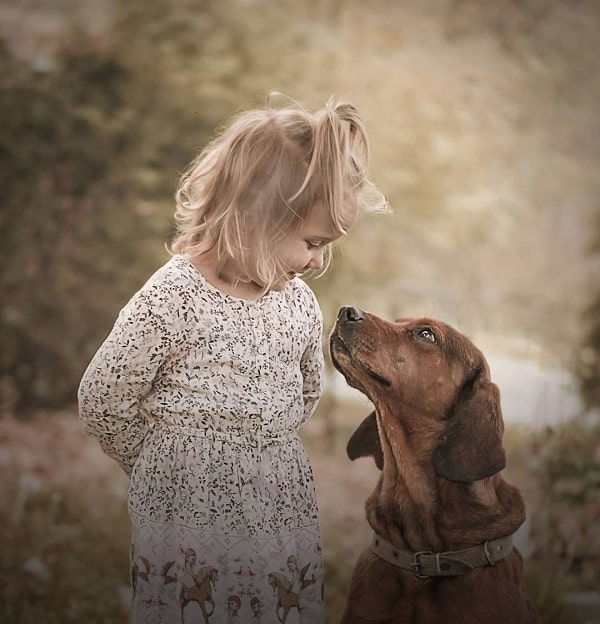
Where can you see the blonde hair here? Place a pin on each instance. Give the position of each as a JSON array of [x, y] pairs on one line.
[[260, 176]]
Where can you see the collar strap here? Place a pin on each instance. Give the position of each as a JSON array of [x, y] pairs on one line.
[[426, 564]]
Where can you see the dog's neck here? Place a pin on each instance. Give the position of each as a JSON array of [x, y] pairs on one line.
[[459, 517], [403, 505], [415, 509]]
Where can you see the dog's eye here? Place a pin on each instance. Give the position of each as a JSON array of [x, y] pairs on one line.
[[426, 334]]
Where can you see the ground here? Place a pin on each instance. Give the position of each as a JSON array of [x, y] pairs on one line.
[[65, 546]]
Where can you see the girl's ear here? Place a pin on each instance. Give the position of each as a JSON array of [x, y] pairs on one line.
[[471, 448], [365, 441]]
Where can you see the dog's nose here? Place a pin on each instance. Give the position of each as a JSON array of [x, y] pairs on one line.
[[349, 313]]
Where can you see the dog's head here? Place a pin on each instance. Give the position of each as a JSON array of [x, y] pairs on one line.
[[429, 378]]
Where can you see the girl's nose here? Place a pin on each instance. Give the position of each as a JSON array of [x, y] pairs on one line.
[[316, 259]]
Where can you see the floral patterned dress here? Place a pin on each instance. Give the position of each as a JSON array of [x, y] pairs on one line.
[[199, 396]]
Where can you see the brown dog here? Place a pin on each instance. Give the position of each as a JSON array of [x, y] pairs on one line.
[[442, 516]]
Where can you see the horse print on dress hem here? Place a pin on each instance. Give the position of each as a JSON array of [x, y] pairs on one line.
[[197, 586], [159, 588], [287, 588]]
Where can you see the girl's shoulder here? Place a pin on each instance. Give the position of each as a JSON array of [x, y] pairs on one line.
[[176, 273], [303, 296], [166, 287], [301, 289]]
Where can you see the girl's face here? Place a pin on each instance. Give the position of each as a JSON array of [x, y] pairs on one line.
[[303, 248]]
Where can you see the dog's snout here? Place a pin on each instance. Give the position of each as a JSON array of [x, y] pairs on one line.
[[350, 313]]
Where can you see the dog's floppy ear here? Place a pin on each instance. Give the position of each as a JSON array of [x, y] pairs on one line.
[[471, 447], [365, 441]]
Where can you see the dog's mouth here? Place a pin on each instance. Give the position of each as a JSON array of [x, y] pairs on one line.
[[376, 376], [337, 347], [345, 360]]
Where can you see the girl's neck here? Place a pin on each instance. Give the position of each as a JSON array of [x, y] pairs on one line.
[[224, 278]]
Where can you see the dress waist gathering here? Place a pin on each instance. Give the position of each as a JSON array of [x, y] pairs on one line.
[[254, 439]]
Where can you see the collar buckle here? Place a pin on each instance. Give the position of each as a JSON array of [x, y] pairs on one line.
[[416, 564]]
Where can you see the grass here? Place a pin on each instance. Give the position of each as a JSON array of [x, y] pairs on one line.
[[65, 540], [61, 563]]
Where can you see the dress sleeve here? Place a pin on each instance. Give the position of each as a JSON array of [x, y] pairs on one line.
[[121, 374], [312, 364]]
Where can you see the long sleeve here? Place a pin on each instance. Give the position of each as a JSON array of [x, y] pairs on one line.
[[312, 365], [121, 374]]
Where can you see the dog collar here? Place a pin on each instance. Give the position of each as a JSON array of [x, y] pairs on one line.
[[425, 563]]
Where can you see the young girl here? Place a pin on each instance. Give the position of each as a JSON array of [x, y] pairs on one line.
[[199, 390]]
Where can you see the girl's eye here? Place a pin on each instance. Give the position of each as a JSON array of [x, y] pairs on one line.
[[426, 334], [313, 244]]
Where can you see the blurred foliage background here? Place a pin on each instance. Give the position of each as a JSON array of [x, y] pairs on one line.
[[485, 136]]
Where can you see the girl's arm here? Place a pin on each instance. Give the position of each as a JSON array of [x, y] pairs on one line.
[[312, 366], [121, 374]]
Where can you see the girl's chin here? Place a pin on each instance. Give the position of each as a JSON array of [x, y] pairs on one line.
[[281, 283]]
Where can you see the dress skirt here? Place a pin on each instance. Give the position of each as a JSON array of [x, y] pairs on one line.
[[243, 547]]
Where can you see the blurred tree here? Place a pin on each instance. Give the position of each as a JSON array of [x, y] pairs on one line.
[[588, 363], [565, 542], [67, 229], [565, 464]]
